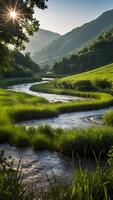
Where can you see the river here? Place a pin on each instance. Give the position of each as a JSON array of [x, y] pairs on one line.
[[37, 165]]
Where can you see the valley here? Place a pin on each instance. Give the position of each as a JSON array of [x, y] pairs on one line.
[[56, 101]]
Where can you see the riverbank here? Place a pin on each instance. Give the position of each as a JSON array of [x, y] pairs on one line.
[[95, 184], [17, 107], [94, 100], [4, 83], [86, 143]]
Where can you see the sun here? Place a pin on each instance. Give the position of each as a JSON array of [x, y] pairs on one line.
[[13, 14]]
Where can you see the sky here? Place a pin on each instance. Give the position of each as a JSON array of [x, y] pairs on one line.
[[62, 16]]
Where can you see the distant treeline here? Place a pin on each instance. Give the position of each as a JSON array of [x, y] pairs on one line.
[[97, 54]]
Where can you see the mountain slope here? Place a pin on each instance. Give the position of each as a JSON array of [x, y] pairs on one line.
[[96, 54], [40, 40], [75, 39]]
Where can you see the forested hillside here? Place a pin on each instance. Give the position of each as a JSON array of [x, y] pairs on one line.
[[97, 54], [75, 40], [19, 65], [102, 73]]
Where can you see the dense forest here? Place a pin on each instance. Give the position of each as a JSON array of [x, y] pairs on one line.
[[97, 54]]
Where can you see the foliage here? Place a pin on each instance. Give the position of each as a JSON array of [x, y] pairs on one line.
[[5, 59], [94, 184], [108, 118], [72, 42], [13, 31], [4, 83], [95, 100], [11, 186], [86, 185], [16, 107], [83, 85], [103, 84], [20, 65], [25, 61], [101, 78], [98, 54]]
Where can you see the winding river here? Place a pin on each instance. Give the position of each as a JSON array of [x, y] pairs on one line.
[[69, 120], [37, 165]]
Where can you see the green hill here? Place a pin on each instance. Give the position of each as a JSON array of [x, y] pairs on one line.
[[97, 54], [74, 40], [102, 73]]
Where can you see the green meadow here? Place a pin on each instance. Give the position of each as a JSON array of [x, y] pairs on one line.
[[102, 73]]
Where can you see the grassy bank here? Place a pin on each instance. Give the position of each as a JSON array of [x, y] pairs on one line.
[[4, 83], [76, 141], [96, 100], [108, 118], [102, 73], [11, 185], [93, 185], [96, 184], [16, 107], [86, 185]]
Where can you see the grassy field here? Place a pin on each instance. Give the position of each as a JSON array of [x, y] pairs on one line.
[[105, 72]]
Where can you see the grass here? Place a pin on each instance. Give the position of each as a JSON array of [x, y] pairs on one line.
[[4, 83], [108, 118], [17, 107], [96, 100], [78, 141], [86, 185], [11, 182], [102, 73], [96, 184]]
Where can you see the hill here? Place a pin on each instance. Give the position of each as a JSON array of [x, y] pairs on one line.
[[102, 74], [40, 40], [74, 40], [97, 54]]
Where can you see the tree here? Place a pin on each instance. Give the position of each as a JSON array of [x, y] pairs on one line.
[[5, 59], [17, 20], [16, 23]]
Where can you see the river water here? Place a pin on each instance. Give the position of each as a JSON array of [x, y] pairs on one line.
[[37, 165], [25, 88]]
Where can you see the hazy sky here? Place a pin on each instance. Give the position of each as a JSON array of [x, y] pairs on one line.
[[64, 15]]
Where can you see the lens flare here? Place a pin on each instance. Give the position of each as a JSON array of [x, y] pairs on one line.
[[13, 14]]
